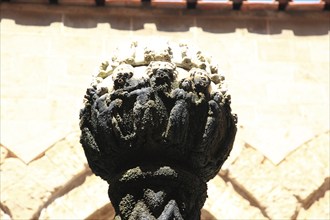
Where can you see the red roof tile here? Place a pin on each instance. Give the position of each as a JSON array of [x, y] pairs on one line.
[[169, 3], [207, 4], [244, 5], [123, 2], [77, 2], [260, 5], [305, 5]]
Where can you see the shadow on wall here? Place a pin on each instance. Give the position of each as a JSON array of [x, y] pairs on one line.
[[301, 23]]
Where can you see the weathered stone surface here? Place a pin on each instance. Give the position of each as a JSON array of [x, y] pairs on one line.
[[280, 191], [24, 198], [250, 172], [4, 216], [107, 212], [246, 41], [68, 156], [302, 180], [224, 202], [3, 154], [318, 210], [12, 170], [27, 189], [157, 116], [80, 202]]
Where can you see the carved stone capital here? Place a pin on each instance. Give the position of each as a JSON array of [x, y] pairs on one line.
[[157, 125]]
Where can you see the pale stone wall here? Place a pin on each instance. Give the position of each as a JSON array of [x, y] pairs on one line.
[[277, 69]]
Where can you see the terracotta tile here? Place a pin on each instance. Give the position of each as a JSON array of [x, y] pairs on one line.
[[169, 3], [30, 1], [123, 3], [77, 2], [216, 5], [305, 6], [260, 5]]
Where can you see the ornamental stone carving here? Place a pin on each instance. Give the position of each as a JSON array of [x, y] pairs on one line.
[[157, 125]]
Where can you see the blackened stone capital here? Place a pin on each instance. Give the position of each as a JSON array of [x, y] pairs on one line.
[[157, 125]]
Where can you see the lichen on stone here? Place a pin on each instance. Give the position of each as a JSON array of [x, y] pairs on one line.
[[157, 117]]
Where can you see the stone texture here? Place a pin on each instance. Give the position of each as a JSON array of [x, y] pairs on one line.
[[282, 190], [3, 154], [263, 54], [318, 210], [66, 155], [224, 202], [27, 189], [12, 171], [31, 144], [4, 216], [252, 43], [308, 187], [107, 212], [176, 111], [80, 202], [24, 198]]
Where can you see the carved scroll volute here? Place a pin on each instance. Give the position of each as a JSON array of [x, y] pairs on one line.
[[157, 125]]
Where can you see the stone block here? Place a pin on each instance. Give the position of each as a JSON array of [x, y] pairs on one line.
[[107, 212], [71, 46], [48, 174], [296, 93], [3, 154], [77, 203], [95, 24], [299, 27], [313, 72], [12, 171], [318, 210], [24, 81], [29, 144], [275, 50], [281, 92], [169, 24], [307, 182], [70, 159], [319, 50], [225, 25], [24, 198], [224, 202], [4, 216], [62, 168], [30, 23], [27, 45], [282, 190]]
